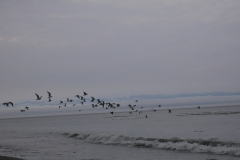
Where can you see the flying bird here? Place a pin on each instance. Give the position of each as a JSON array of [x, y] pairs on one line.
[[7, 104], [49, 95], [38, 97], [84, 94], [26, 108]]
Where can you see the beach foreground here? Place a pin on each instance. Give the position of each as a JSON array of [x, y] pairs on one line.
[[8, 158], [205, 133]]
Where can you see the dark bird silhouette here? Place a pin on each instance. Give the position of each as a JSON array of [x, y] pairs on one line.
[[74, 104], [198, 107], [84, 94], [49, 95], [38, 97], [159, 105], [82, 103], [111, 113], [77, 96], [49, 100], [61, 102], [7, 104], [154, 110], [136, 101], [93, 99], [169, 111], [146, 116], [26, 107], [22, 110], [10, 103]]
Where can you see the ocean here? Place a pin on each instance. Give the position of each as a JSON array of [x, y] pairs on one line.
[[208, 133]]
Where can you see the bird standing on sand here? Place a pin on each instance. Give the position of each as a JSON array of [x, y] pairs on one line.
[[169, 111], [26, 108], [111, 113], [38, 97]]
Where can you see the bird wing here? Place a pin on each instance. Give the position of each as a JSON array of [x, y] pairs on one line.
[[37, 95], [49, 94]]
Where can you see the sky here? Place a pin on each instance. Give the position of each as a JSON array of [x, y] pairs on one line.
[[118, 48]]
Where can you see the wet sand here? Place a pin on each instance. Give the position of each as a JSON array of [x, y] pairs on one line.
[[9, 158]]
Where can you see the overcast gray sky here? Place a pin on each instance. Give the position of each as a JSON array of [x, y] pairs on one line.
[[118, 48]]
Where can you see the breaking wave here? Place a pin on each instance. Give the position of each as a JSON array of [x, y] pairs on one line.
[[213, 145]]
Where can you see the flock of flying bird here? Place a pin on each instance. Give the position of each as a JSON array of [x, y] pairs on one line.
[[95, 103]]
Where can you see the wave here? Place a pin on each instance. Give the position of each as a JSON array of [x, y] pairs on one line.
[[213, 145]]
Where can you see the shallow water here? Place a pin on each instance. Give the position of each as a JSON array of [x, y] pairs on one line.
[[206, 133]]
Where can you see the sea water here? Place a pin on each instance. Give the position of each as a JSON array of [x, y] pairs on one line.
[[205, 133]]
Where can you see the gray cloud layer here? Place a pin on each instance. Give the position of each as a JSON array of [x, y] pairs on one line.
[[118, 48]]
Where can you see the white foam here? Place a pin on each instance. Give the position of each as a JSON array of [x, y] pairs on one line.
[[213, 146]]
